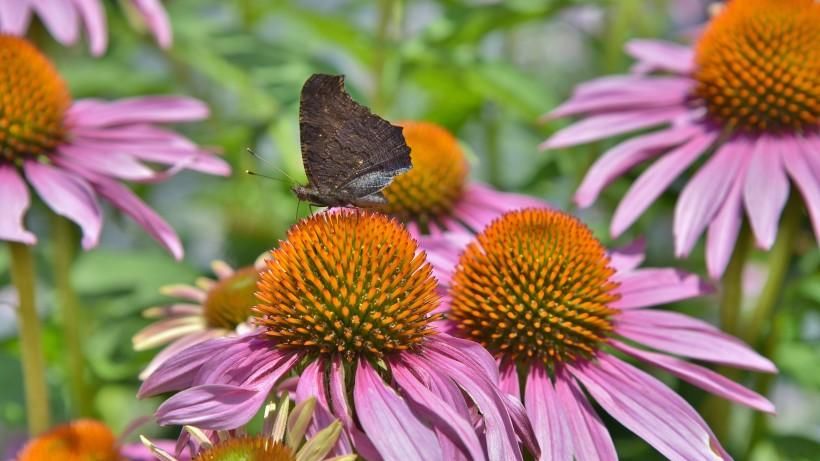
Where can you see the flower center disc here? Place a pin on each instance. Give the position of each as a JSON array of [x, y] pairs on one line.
[[758, 65], [230, 301], [82, 440], [247, 449], [347, 282], [535, 285], [33, 102], [436, 180]]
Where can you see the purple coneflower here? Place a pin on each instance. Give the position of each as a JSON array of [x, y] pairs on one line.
[[282, 439], [747, 94], [435, 195], [86, 439], [211, 309], [540, 292], [346, 302], [64, 19], [73, 152]]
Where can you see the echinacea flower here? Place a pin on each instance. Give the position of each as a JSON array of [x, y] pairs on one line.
[[86, 439], [73, 152], [542, 294], [747, 96], [213, 308], [346, 302], [282, 439], [64, 20], [435, 195]]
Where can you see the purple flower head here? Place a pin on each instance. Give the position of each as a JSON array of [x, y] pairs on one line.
[[64, 20], [72, 153], [435, 195], [746, 96], [542, 294], [347, 303]]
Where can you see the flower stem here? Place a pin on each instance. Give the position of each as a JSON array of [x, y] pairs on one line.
[[31, 348], [65, 242], [731, 298], [779, 259]]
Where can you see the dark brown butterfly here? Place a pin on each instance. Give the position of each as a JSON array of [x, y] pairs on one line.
[[349, 153]]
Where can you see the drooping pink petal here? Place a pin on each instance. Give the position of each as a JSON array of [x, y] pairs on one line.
[[590, 439], [68, 195], [662, 55], [629, 257], [311, 384], [703, 195], [394, 429], [508, 378], [212, 406], [96, 28], [157, 20], [522, 424], [444, 419], [701, 377], [703, 343], [167, 330], [547, 416], [651, 287], [466, 351], [175, 348], [14, 17], [60, 18], [341, 409], [131, 205], [766, 189], [15, 199], [144, 109], [603, 126], [800, 169], [654, 93], [649, 409], [108, 163], [723, 231], [656, 179], [619, 159]]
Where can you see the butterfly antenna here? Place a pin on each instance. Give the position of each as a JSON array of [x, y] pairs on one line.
[[268, 162], [253, 173]]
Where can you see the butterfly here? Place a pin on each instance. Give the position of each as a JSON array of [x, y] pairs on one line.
[[349, 153]]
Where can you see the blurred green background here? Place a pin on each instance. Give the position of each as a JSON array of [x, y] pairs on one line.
[[484, 69]]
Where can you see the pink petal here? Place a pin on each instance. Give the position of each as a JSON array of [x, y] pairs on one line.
[[590, 439], [548, 419], [800, 170], [701, 377], [145, 109], [157, 20], [766, 189], [619, 159], [167, 330], [60, 18], [651, 93], [15, 16], [663, 55], [106, 163], [131, 205], [213, 406], [651, 287], [603, 126], [394, 429], [70, 196], [186, 292], [95, 24], [175, 348], [698, 343], [629, 257], [15, 199], [704, 194], [656, 179], [722, 233], [341, 409], [649, 409], [508, 379]]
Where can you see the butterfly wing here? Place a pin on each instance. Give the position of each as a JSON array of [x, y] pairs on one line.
[[345, 147]]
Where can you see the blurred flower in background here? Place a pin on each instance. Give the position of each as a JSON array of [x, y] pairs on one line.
[[539, 291], [352, 324], [436, 195], [282, 438], [747, 93], [213, 308], [65, 19], [71, 152]]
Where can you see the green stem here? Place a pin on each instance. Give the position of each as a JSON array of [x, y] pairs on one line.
[[779, 259], [31, 348], [760, 420], [65, 242], [731, 297], [383, 43]]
